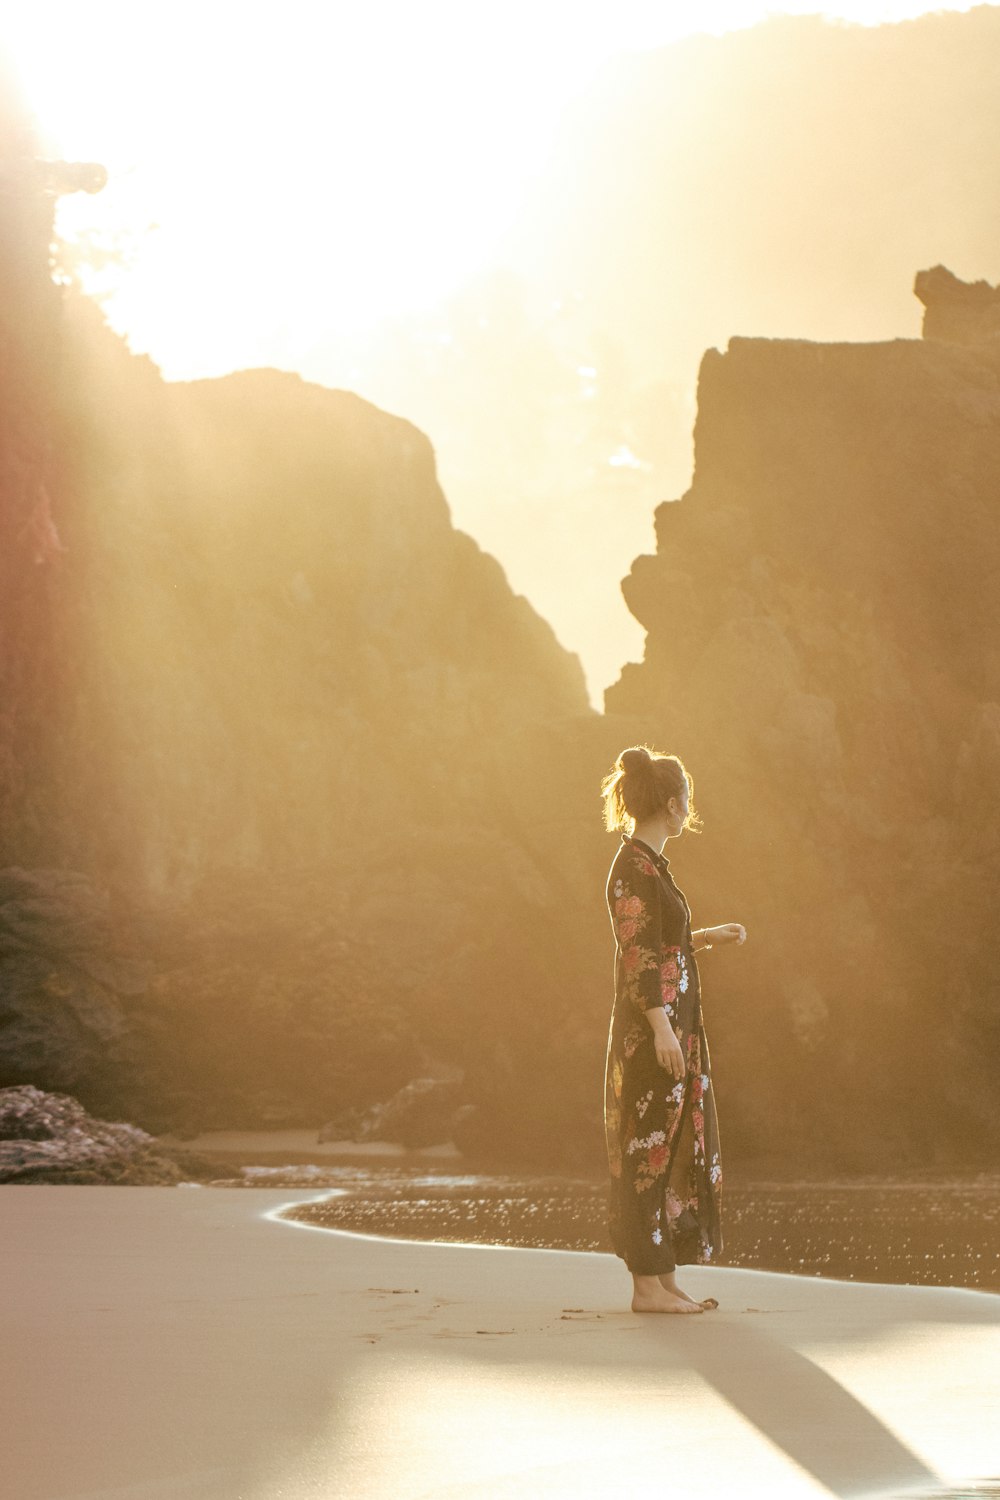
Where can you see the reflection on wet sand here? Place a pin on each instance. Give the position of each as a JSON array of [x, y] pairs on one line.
[[929, 1233]]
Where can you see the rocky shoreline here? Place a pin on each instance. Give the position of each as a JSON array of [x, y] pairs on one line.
[[50, 1138]]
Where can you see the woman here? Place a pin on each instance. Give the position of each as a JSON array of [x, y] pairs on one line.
[[662, 1132]]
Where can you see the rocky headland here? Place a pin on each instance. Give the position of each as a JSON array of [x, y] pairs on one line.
[[300, 815], [823, 649]]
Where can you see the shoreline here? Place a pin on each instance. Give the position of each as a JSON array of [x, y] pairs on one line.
[[920, 1230], [378, 1197], [805, 1232]]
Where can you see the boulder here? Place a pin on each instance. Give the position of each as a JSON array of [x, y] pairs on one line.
[[51, 1138], [420, 1114]]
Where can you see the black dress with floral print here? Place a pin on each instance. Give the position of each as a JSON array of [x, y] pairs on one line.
[[663, 1137]]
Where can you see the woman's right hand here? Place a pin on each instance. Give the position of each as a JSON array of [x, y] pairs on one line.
[[669, 1054], [668, 1049]]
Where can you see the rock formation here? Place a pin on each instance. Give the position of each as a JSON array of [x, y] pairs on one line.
[[291, 742], [823, 651], [300, 799], [63, 986], [51, 1138], [960, 312], [422, 1113]]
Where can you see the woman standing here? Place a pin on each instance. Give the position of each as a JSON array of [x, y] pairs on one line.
[[659, 1114]]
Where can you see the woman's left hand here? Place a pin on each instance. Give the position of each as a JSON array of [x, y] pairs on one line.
[[726, 932]]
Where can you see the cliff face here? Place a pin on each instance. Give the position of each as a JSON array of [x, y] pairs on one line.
[[300, 798], [282, 747], [278, 624], [823, 651], [29, 540]]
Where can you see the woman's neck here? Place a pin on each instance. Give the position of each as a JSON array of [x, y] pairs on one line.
[[652, 831]]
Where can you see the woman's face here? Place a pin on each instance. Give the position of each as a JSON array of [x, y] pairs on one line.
[[677, 811]]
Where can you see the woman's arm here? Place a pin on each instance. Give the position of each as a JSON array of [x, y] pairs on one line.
[[668, 1050], [718, 937], [651, 970], [635, 901]]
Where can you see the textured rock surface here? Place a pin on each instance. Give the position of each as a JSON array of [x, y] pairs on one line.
[[50, 1138], [823, 650], [62, 984], [284, 634]]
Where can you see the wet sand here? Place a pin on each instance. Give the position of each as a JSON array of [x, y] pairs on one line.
[[179, 1344], [916, 1233], [916, 1228]]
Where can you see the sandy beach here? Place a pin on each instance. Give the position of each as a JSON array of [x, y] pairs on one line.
[[188, 1344]]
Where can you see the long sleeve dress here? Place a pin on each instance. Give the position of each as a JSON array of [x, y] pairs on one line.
[[662, 1136]]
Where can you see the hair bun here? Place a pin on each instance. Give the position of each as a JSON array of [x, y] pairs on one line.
[[635, 760]]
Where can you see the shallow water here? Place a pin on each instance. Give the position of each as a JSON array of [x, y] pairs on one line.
[[932, 1233]]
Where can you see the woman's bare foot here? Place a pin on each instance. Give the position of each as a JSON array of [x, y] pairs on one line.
[[669, 1284], [651, 1296]]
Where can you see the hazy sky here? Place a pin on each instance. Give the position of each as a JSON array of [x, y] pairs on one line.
[[286, 178], [390, 142]]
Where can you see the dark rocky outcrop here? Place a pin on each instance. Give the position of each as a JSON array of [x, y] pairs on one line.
[[63, 986], [51, 1138], [823, 650]]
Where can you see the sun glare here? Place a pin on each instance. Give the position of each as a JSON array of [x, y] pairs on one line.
[[279, 156], [263, 157]]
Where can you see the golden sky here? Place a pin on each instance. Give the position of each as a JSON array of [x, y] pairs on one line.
[[389, 143]]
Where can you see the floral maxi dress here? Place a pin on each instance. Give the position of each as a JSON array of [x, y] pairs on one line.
[[662, 1136]]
